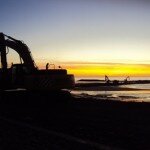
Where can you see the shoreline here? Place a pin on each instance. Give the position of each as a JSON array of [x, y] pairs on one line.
[[108, 88]]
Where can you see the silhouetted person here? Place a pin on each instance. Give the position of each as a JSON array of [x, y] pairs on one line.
[[107, 79], [47, 66]]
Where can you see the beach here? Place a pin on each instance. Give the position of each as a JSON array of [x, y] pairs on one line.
[[75, 75], [43, 120]]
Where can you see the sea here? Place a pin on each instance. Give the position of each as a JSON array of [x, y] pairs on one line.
[[140, 92]]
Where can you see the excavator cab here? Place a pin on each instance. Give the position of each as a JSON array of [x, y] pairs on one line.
[[18, 72]]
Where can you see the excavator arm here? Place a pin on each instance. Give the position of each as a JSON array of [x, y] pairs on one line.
[[21, 48]]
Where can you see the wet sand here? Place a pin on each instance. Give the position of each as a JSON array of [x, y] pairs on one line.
[[108, 88], [105, 124]]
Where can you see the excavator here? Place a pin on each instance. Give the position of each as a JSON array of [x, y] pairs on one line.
[[26, 74]]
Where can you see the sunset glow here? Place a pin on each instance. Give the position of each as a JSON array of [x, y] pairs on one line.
[[101, 69], [97, 37], [110, 70]]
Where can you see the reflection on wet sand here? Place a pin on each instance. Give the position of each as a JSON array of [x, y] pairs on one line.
[[118, 93]]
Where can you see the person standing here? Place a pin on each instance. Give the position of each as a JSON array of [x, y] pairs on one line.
[[47, 66]]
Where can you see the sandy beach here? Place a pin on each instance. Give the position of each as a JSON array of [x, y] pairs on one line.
[[42, 120]]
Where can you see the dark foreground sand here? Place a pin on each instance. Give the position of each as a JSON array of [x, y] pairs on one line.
[[38, 121]]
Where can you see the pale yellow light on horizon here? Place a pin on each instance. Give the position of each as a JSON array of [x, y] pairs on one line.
[[110, 69]]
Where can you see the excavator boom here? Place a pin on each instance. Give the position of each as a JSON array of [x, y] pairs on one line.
[[21, 48]]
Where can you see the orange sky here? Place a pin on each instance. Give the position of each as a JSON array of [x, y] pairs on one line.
[[110, 70], [101, 69]]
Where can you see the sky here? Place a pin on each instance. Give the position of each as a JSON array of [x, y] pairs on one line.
[[87, 37]]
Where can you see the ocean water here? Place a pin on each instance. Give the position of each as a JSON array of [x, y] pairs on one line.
[[141, 92]]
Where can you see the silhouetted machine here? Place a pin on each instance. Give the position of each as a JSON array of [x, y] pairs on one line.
[[26, 74]]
